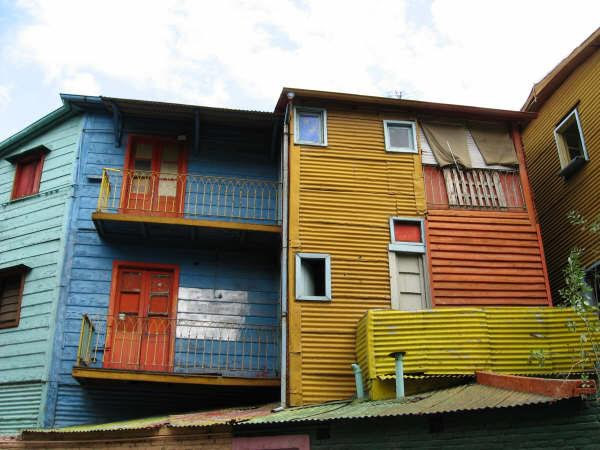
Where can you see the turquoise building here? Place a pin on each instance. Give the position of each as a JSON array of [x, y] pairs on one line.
[[140, 249]]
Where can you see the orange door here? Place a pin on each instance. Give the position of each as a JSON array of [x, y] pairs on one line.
[[140, 333], [154, 182]]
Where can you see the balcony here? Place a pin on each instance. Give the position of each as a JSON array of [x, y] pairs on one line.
[[159, 349], [484, 189], [446, 343], [150, 203]]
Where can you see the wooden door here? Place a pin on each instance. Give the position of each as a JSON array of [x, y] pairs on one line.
[[140, 330], [155, 179], [408, 282]]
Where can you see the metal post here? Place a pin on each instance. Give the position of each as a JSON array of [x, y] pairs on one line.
[[360, 392], [399, 356]]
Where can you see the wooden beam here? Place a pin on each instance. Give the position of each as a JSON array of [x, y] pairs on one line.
[[222, 224], [162, 377]]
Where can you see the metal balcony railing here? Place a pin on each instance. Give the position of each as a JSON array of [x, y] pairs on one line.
[[473, 188], [178, 346], [189, 195]]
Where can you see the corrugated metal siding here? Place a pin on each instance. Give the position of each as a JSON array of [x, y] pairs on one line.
[[484, 258], [19, 406], [462, 340], [554, 196], [341, 199]]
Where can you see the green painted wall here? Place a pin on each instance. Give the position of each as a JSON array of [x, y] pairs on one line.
[[32, 232], [568, 424]]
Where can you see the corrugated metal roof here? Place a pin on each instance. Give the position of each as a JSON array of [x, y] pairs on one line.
[[469, 397], [197, 419]]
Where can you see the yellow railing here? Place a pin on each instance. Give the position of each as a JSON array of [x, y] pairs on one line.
[[189, 195], [161, 344]]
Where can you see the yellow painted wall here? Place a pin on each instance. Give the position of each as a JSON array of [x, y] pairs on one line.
[[341, 199], [554, 196], [462, 340]]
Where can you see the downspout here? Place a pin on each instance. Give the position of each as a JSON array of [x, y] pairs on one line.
[[399, 357], [284, 251], [360, 391]]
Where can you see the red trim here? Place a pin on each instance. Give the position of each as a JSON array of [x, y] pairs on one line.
[[114, 287], [429, 264], [543, 386], [40, 156]]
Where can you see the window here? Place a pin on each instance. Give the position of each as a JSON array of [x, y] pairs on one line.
[[310, 126], [313, 276], [592, 278], [570, 142], [407, 264], [28, 172], [400, 136], [12, 280]]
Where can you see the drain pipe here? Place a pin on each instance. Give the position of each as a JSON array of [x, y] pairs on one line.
[[399, 356], [284, 250], [360, 392]]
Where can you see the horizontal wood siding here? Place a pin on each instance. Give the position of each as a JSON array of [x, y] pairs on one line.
[[19, 406], [554, 196], [484, 258], [31, 233], [341, 199], [254, 275]]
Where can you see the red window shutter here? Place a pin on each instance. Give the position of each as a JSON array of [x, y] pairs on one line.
[[407, 231], [27, 176]]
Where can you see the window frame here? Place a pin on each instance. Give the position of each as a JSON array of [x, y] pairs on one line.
[[407, 247], [21, 271], [323, 112], [388, 142], [563, 153], [322, 256], [37, 153]]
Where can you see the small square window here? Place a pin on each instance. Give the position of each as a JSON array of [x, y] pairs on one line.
[[569, 140], [28, 173], [400, 136], [313, 276], [407, 235], [310, 126], [11, 292]]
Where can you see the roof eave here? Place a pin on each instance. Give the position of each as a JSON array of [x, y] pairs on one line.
[[463, 111]]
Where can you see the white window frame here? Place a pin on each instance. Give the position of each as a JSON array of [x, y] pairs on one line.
[[563, 153], [323, 112], [388, 142], [407, 247], [323, 256]]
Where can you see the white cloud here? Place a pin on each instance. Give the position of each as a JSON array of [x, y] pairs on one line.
[[80, 83], [5, 96], [238, 53]]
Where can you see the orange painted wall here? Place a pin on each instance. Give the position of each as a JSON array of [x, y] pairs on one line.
[[485, 258]]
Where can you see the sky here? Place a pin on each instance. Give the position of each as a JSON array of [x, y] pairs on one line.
[[240, 53]]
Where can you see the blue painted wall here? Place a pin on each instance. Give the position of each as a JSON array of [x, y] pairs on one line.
[[89, 262], [33, 232]]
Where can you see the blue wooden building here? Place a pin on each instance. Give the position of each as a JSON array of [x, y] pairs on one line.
[[140, 254]]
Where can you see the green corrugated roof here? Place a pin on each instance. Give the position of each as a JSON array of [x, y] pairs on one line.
[[469, 397], [462, 398]]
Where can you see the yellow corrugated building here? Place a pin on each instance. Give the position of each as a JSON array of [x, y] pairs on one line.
[[347, 186], [563, 156]]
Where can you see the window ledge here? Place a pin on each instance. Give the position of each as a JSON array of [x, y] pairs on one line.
[[573, 167]]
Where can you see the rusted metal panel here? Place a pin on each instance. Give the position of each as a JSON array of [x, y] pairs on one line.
[[485, 258], [555, 197], [462, 340], [341, 199]]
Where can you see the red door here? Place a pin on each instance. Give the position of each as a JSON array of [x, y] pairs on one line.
[[154, 182], [140, 328]]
